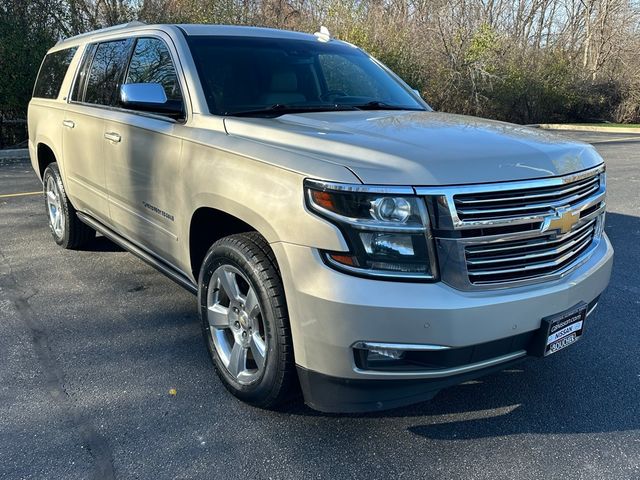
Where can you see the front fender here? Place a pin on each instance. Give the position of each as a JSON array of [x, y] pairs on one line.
[[263, 195]]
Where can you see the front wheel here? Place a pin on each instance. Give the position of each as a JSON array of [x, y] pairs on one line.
[[244, 319]]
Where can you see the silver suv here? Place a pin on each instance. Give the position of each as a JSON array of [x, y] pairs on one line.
[[339, 233]]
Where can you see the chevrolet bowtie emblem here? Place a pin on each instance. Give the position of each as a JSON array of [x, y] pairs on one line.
[[563, 220]]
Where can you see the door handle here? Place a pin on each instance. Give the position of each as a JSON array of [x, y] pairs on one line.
[[68, 123], [113, 136]]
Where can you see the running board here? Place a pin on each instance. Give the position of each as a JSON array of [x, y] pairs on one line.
[[155, 262]]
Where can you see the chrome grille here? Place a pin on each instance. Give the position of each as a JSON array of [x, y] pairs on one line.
[[515, 233], [525, 259], [519, 203]]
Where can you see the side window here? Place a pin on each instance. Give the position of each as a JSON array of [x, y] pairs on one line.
[[151, 63], [106, 72], [80, 82], [52, 72]]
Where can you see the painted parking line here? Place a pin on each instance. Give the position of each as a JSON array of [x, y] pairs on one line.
[[623, 139], [22, 194]]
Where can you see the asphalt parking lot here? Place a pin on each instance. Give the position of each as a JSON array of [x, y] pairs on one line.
[[91, 342]]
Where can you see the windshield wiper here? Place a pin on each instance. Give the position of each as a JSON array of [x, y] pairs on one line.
[[378, 105], [282, 109]]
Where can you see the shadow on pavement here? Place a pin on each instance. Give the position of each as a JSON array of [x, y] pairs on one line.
[[102, 244]]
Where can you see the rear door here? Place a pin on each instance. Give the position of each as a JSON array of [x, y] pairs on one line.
[[94, 92], [142, 152]]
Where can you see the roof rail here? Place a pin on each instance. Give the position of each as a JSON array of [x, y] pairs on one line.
[[103, 30]]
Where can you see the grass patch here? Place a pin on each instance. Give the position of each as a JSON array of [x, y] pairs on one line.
[[618, 125]]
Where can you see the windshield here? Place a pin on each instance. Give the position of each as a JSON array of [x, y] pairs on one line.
[[272, 76]]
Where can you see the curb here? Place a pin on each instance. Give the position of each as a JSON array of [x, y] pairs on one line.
[[587, 128], [15, 154]]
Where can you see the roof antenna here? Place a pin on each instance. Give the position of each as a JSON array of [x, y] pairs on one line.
[[323, 35]]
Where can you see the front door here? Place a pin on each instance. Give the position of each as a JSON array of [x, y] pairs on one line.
[[143, 151]]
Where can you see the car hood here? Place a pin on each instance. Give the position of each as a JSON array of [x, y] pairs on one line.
[[421, 148]]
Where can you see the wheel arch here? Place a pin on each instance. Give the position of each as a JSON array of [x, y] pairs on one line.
[[207, 226], [45, 156]]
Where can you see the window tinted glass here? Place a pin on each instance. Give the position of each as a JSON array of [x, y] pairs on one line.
[[151, 63], [107, 70], [78, 86], [348, 78], [239, 74], [54, 67]]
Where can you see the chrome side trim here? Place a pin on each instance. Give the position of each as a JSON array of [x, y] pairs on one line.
[[446, 372], [410, 347]]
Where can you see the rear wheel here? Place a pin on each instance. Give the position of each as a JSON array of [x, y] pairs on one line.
[[66, 228], [245, 321]]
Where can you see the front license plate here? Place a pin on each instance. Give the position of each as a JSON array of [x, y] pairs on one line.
[[563, 329]]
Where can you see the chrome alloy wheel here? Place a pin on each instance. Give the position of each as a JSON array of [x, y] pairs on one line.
[[236, 324], [54, 207]]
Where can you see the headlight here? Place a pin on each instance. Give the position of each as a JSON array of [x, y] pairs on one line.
[[387, 229]]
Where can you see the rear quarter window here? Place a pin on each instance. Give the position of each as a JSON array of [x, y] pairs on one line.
[[52, 72]]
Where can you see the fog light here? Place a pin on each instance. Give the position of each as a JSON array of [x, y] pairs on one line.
[[385, 352], [379, 356]]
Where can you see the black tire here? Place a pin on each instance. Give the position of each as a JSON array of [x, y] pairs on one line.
[[73, 234], [251, 255]]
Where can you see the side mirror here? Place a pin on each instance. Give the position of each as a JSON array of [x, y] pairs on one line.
[[149, 97], [417, 92]]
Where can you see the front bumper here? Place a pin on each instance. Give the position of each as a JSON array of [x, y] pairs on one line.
[[332, 311], [343, 395]]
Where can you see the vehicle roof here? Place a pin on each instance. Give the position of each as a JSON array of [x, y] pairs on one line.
[[235, 30], [188, 29]]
